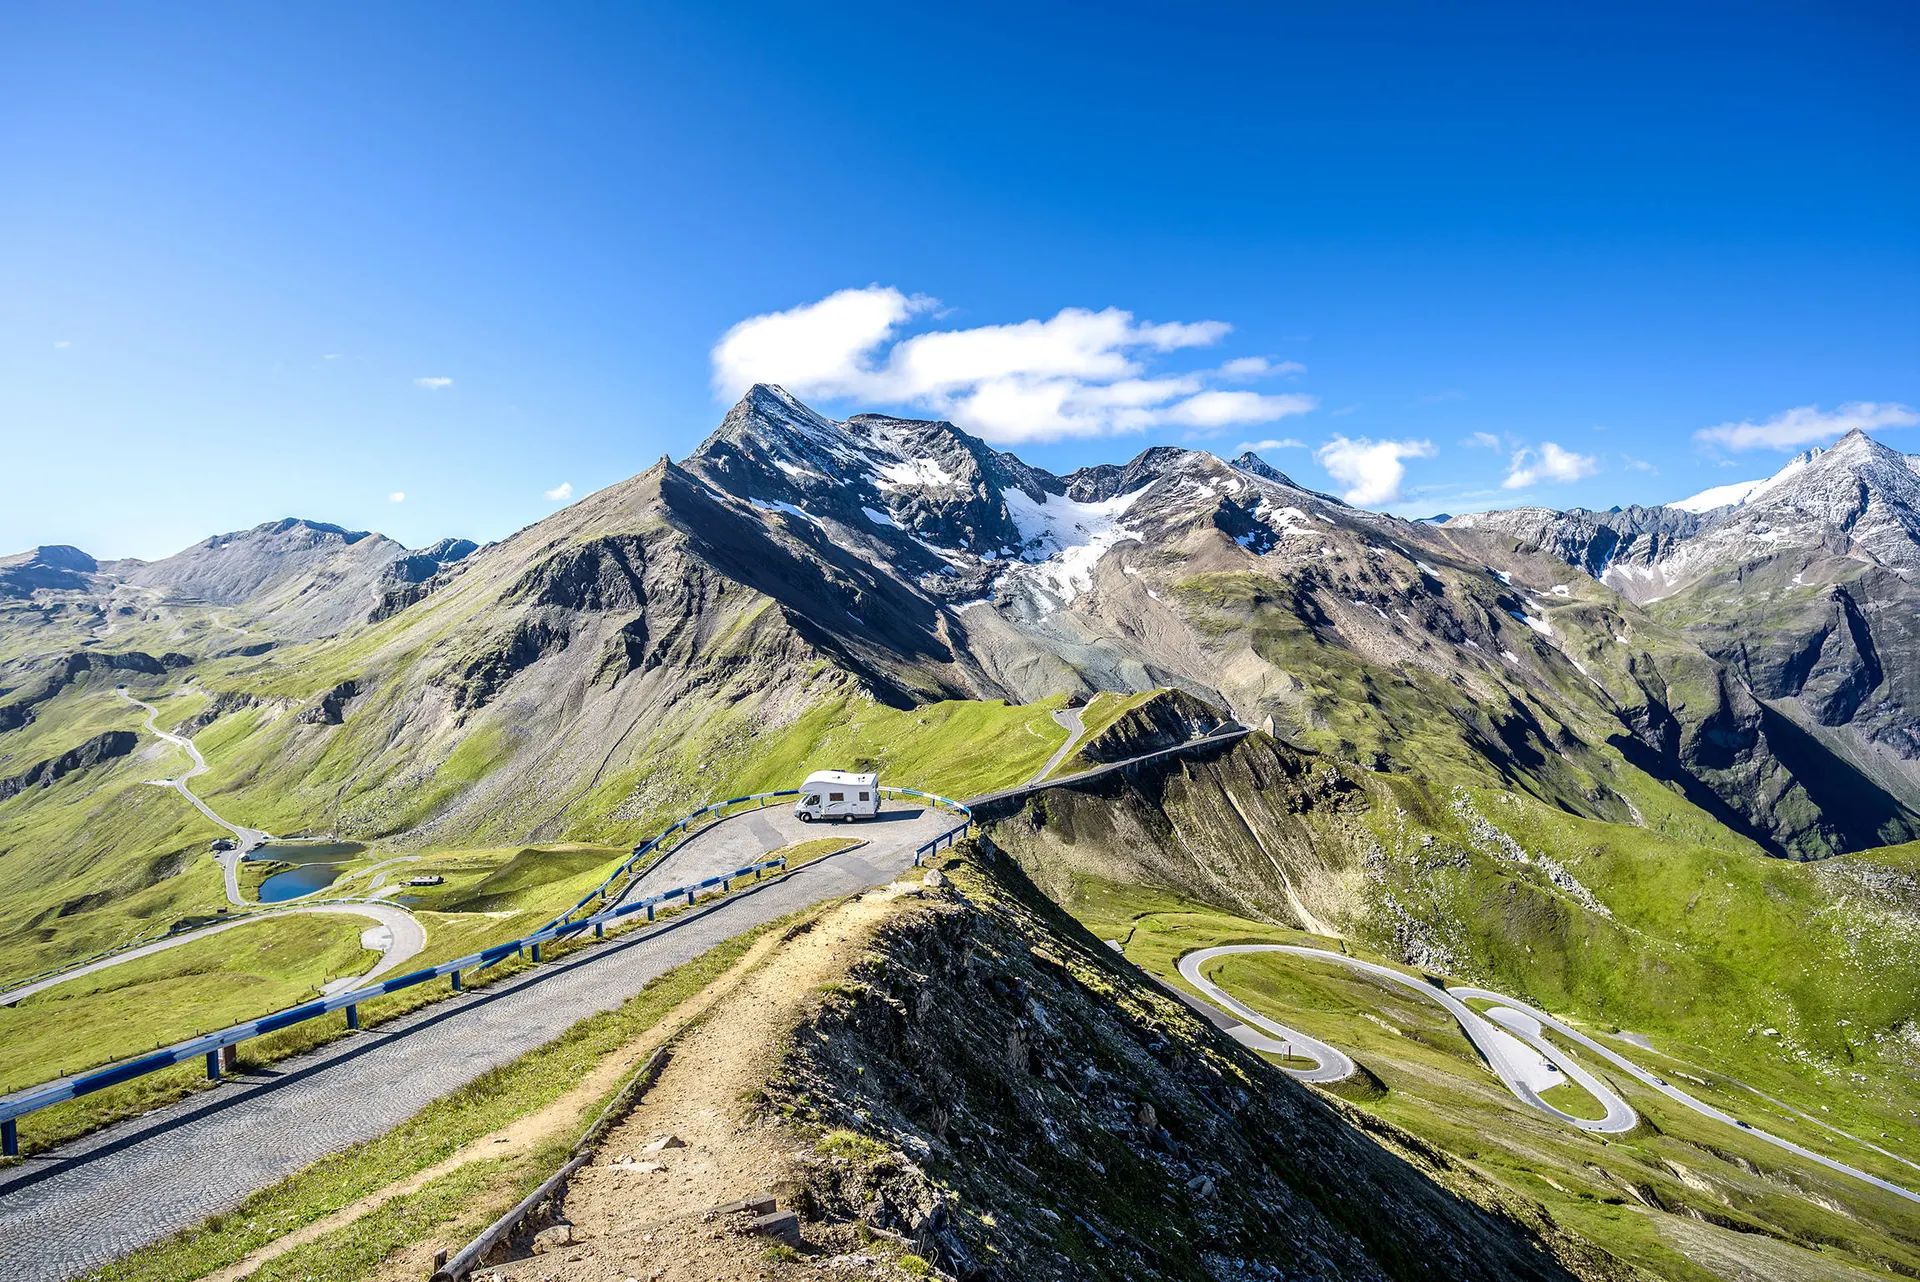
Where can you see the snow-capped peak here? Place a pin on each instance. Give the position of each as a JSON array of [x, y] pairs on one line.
[[1744, 491]]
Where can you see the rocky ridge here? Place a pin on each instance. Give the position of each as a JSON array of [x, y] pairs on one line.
[[794, 558], [1803, 585]]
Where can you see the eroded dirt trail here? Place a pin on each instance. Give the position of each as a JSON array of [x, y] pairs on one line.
[[638, 1210]]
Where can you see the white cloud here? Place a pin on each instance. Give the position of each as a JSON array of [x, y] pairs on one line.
[[1806, 425], [1260, 367], [1343, 411], [433, 384], [561, 492], [1548, 463], [1371, 471], [330, 356], [398, 496], [1639, 464], [1232, 409], [1284, 443], [824, 348], [64, 342], [1482, 441], [1079, 373]]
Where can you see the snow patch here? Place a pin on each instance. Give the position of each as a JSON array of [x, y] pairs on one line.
[[1286, 516], [881, 518], [1068, 538], [1743, 492], [920, 471], [779, 505], [792, 469]]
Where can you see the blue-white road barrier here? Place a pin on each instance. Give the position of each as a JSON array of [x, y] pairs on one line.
[[211, 1045]]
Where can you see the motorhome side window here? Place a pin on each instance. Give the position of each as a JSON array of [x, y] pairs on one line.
[[864, 797], [836, 796]]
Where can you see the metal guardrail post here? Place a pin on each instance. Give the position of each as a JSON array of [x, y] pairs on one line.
[[221, 1048], [536, 954], [9, 1138]]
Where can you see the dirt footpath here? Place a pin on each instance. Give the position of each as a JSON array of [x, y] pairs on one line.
[[641, 1210]]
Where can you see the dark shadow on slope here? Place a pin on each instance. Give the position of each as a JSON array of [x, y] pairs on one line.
[[1669, 771], [1856, 812], [1050, 1080]]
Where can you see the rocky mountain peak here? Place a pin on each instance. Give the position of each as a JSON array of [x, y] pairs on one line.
[[1105, 481], [53, 567], [1251, 462], [1858, 496]]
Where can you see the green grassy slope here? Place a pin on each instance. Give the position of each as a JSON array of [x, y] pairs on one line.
[[1676, 1191], [154, 1001]]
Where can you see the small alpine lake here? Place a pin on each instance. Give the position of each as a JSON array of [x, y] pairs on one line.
[[316, 865]]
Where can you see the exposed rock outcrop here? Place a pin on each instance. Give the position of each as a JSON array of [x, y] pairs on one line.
[[1164, 720], [54, 568], [329, 709], [1015, 1102], [102, 747]]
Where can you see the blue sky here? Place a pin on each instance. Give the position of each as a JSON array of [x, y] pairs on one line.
[[1433, 241]]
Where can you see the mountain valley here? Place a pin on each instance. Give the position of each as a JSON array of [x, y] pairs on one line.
[[1651, 769]]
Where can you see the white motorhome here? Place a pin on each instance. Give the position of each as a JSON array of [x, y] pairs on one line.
[[836, 794]]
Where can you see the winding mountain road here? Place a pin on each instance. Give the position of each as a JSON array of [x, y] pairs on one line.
[[396, 934], [1681, 1097], [1506, 1056], [1069, 720], [1503, 1047], [74, 1208], [247, 838], [1332, 1064]]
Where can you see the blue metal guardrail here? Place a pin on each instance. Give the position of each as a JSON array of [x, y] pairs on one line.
[[658, 847], [210, 1045], [944, 839], [13, 1107]]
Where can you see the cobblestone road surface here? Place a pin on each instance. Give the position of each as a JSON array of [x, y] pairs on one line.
[[77, 1207]]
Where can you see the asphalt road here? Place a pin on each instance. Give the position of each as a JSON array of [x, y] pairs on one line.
[[1501, 1054], [1679, 1096], [1520, 1021], [397, 936], [75, 1208], [247, 838], [1069, 720], [1332, 1064]]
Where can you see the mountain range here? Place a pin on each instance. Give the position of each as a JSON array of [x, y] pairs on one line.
[[1650, 765], [1757, 657]]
